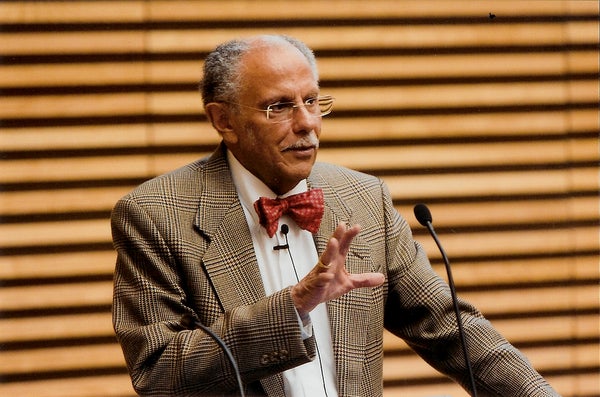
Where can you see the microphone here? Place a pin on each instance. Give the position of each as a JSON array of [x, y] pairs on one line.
[[423, 215], [285, 229], [189, 322]]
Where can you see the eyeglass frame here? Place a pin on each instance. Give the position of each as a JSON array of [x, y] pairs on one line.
[[292, 107]]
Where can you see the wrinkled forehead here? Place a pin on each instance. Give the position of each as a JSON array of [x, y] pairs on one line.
[[266, 51], [275, 64]]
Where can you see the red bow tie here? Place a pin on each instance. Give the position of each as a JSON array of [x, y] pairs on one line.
[[306, 209]]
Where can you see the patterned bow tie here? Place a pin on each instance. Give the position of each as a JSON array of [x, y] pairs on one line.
[[306, 209]]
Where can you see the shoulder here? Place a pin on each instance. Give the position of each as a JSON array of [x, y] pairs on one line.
[[173, 182], [355, 191], [207, 173], [339, 177]]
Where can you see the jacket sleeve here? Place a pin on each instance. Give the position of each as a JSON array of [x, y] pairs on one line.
[[150, 300], [419, 309]]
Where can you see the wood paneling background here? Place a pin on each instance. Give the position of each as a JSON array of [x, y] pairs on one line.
[[485, 110]]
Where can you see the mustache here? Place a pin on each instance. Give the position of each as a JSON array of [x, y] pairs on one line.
[[306, 141]]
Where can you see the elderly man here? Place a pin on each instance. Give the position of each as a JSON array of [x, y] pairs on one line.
[[296, 265]]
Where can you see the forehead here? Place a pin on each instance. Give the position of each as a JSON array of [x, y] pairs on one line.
[[271, 69]]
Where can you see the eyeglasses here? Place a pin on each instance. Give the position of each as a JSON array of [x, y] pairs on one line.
[[279, 112]]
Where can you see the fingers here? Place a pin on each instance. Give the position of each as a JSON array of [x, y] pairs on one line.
[[329, 278], [339, 244], [363, 280], [323, 266], [347, 237], [336, 253]]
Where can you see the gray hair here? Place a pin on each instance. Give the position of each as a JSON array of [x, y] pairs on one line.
[[222, 74]]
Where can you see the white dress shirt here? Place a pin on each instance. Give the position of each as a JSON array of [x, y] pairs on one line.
[[283, 268]]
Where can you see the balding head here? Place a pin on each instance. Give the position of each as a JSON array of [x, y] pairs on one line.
[[223, 68]]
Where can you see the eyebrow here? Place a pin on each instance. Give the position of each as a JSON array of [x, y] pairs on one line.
[[285, 98]]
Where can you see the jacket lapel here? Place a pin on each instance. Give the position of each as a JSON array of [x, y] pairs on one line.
[[348, 335], [229, 260]]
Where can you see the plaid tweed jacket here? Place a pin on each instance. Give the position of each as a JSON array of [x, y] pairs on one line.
[[184, 248]]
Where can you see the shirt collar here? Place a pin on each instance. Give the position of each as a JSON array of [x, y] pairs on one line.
[[250, 188]]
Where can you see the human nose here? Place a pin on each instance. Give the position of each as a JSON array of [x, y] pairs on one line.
[[304, 119]]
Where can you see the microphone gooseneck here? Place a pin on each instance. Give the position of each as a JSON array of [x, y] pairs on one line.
[[285, 229], [189, 322], [424, 217]]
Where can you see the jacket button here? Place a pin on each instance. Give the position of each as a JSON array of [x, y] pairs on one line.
[[265, 359], [283, 354]]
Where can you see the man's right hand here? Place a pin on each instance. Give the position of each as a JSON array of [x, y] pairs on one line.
[[329, 279]]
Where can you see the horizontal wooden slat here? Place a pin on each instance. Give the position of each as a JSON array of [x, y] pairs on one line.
[[82, 137], [510, 273], [523, 211], [56, 296], [542, 124], [77, 74], [501, 272], [102, 137], [133, 11], [517, 182], [527, 330], [447, 66], [496, 184], [60, 359], [464, 155], [500, 302], [448, 125], [90, 386], [525, 242], [62, 265], [533, 300], [100, 325], [75, 43], [347, 99], [43, 233], [61, 200], [386, 37], [329, 37], [75, 168], [529, 212], [383, 9], [445, 389], [110, 355], [586, 385], [434, 156], [519, 242], [73, 105], [357, 68], [461, 95], [72, 11], [543, 359], [56, 327]]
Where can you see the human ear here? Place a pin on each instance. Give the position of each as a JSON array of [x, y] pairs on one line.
[[218, 115]]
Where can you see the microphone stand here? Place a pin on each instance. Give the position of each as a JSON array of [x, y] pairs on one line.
[[424, 217], [190, 323]]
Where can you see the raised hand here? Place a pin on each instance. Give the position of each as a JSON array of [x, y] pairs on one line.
[[329, 279]]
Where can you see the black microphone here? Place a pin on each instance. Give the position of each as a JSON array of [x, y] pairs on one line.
[[423, 215], [285, 229], [189, 322]]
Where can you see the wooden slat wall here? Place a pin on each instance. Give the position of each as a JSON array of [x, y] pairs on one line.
[[487, 111]]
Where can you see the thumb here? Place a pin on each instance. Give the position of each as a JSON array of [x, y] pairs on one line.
[[362, 280]]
